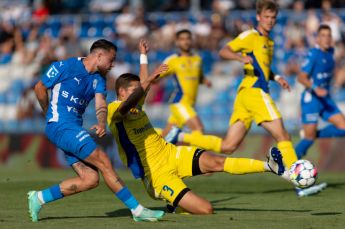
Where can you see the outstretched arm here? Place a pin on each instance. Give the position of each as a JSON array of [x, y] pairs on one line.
[[41, 92], [141, 90]]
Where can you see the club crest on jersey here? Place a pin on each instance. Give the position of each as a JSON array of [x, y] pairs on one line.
[[52, 72], [94, 84]]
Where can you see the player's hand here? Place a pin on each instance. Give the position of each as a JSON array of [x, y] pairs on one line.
[[284, 84], [161, 69], [100, 130], [143, 46], [207, 83], [247, 60], [321, 92]]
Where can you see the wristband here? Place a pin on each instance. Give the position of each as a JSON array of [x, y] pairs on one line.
[[277, 77], [143, 59]]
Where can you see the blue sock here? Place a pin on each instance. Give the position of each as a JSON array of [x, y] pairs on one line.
[[302, 147], [127, 198], [330, 131], [52, 193]]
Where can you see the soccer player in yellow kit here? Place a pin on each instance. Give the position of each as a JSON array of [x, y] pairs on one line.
[[186, 67], [162, 165], [253, 101]]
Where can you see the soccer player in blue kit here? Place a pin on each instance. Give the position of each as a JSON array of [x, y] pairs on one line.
[[316, 75], [74, 83]]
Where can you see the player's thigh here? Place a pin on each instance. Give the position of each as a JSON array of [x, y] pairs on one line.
[[235, 135], [338, 120], [211, 162], [185, 160], [75, 141], [195, 204], [99, 159], [240, 112], [170, 188], [276, 129], [261, 105]]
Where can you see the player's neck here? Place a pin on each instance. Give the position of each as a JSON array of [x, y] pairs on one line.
[[185, 53], [89, 65], [262, 31]]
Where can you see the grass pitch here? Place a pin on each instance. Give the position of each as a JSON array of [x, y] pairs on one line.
[[249, 201]]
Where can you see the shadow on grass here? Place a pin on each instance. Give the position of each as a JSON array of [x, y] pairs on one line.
[[326, 213], [124, 212], [259, 210]]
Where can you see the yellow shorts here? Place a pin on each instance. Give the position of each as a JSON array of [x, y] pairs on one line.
[[253, 104], [181, 113], [166, 183]]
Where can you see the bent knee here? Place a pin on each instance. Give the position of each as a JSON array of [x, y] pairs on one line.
[[229, 147], [91, 181], [206, 210]]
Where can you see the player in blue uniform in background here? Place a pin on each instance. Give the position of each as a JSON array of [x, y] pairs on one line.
[[316, 75], [74, 83]]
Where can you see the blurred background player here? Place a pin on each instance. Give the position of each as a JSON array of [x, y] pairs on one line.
[[160, 165], [186, 67], [316, 75], [74, 83]]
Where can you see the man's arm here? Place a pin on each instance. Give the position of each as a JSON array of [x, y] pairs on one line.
[[41, 92], [139, 92], [228, 54], [101, 114], [304, 79]]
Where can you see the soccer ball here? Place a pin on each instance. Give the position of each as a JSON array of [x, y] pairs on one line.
[[303, 174]]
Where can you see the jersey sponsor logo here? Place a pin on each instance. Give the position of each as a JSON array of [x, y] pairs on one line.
[[52, 72], [142, 129], [94, 84]]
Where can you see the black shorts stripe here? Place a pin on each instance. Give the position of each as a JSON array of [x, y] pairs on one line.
[[180, 195], [195, 164]]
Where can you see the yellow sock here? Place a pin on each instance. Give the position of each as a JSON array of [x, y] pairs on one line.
[[243, 166], [288, 153], [207, 142]]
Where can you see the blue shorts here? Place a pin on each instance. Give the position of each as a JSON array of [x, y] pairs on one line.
[[74, 140], [313, 107]]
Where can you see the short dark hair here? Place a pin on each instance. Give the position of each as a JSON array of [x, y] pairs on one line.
[[322, 27], [124, 80], [183, 31], [262, 5], [103, 44]]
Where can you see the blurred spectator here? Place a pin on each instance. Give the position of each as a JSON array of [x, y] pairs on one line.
[[106, 6]]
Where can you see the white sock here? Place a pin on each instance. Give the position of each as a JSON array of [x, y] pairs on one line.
[[286, 175], [40, 197], [137, 211], [267, 168]]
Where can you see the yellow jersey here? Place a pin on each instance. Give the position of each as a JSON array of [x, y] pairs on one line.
[[260, 49], [188, 74], [141, 148]]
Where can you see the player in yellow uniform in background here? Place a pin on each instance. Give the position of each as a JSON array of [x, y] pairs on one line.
[[253, 101], [162, 165], [186, 67], [254, 48]]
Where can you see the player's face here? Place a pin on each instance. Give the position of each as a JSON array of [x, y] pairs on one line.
[[105, 61], [126, 92], [267, 19], [324, 39], [184, 42]]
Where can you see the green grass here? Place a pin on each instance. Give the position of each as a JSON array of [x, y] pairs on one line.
[[250, 201]]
